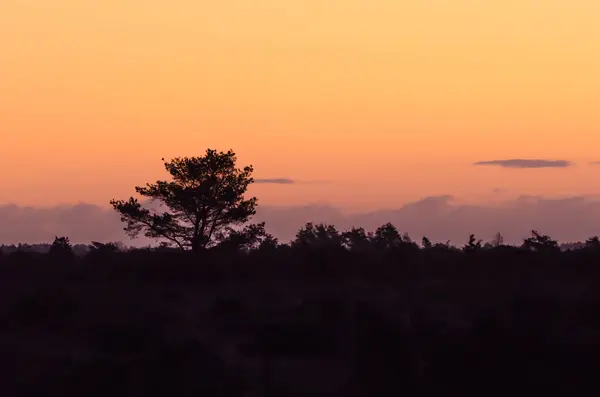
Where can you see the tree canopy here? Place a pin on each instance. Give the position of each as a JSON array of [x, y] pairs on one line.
[[205, 201]]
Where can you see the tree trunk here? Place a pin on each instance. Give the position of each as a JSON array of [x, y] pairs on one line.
[[198, 244]]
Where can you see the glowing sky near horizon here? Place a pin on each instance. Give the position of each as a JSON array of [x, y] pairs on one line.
[[388, 100]]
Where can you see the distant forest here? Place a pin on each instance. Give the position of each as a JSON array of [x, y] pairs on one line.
[[321, 235]]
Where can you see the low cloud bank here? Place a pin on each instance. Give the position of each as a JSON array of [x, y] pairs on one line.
[[438, 218]]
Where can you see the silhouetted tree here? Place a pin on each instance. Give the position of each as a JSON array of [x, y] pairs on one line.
[[250, 237], [426, 243], [61, 248], [356, 239], [318, 236], [387, 236], [592, 242], [204, 199], [103, 247], [24, 247], [80, 249], [444, 246], [540, 243], [101, 251], [473, 244], [269, 242]]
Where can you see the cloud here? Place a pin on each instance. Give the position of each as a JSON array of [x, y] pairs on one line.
[[81, 222], [524, 163], [276, 181], [595, 163], [287, 181], [440, 218]]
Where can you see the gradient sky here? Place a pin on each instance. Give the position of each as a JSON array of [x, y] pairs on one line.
[[389, 100]]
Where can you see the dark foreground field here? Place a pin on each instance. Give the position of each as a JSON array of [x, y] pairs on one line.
[[301, 323]]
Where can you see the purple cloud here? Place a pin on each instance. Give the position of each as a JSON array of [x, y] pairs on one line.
[[524, 163], [439, 218]]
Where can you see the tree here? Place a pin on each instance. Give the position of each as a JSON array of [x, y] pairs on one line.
[[205, 199], [473, 244], [444, 246], [251, 237], [269, 243], [318, 236], [387, 236], [356, 239], [592, 242], [426, 243], [61, 248], [540, 243], [96, 246]]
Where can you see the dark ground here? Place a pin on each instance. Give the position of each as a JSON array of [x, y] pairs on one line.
[[300, 324]]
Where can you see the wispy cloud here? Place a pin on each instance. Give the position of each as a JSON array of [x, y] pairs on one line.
[[527, 163], [595, 163], [287, 181], [276, 181]]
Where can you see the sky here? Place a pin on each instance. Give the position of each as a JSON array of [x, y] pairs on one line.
[[365, 104]]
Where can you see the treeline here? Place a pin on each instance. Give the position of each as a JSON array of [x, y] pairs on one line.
[[320, 236], [320, 251]]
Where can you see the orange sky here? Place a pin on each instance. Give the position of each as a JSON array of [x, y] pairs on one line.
[[389, 100]]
